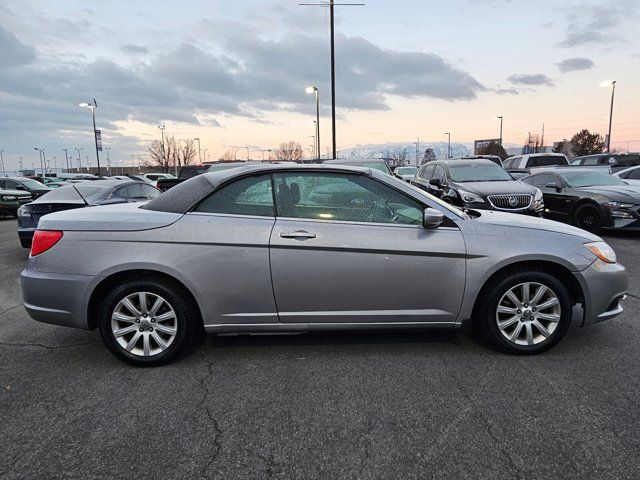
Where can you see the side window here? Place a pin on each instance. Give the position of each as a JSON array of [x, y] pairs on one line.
[[131, 192], [427, 172], [3, 184], [246, 196], [343, 197], [439, 173], [593, 161], [13, 185], [542, 180], [513, 162], [577, 161], [149, 191], [545, 160], [628, 161], [634, 174]]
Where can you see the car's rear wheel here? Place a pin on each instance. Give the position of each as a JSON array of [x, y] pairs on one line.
[[588, 217], [149, 322], [525, 312]]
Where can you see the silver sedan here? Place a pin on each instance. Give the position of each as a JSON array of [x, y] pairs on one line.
[[292, 249]]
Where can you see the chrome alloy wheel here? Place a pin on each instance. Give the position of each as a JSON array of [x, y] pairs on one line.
[[144, 324], [528, 313]]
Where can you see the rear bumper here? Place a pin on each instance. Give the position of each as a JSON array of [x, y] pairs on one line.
[[26, 236], [604, 286], [57, 299]]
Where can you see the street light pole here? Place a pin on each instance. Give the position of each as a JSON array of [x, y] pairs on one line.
[[500, 118], [79, 158], [315, 90], [2, 162], [41, 152], [613, 93], [92, 107], [448, 134], [108, 161], [199, 151], [66, 158], [247, 153]]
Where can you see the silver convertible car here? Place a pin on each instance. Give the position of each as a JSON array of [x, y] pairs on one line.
[[292, 249]]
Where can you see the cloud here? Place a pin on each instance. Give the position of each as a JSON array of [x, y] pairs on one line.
[[507, 91], [134, 49], [12, 51], [598, 23], [574, 64], [536, 79]]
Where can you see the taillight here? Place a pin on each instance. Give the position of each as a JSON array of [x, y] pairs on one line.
[[43, 240]]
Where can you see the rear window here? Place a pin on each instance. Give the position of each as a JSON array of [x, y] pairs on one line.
[[73, 193], [189, 172], [546, 160]]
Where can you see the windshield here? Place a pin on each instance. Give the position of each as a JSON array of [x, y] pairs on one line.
[[33, 184], [223, 166], [478, 172], [381, 166], [590, 179], [406, 170], [442, 203]]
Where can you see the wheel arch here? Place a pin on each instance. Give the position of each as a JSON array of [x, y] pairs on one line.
[[584, 201], [109, 282], [559, 271]]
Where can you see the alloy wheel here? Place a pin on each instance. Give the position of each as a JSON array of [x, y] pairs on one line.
[[144, 324], [528, 313]]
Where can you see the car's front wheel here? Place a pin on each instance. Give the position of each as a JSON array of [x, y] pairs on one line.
[[149, 322], [588, 217], [525, 312]]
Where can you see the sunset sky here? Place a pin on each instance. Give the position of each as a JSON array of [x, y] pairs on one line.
[[234, 73]]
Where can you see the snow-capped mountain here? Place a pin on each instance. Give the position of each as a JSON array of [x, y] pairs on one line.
[[406, 149]]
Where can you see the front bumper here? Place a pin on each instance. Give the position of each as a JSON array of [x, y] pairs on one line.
[[604, 286], [9, 208], [58, 299]]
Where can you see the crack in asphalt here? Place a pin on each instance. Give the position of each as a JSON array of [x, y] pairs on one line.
[[515, 468], [46, 347], [9, 309], [214, 422]]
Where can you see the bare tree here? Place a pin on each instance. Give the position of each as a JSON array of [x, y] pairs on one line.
[[171, 155], [289, 151], [229, 156]]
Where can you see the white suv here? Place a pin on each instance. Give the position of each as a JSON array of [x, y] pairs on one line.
[[522, 164]]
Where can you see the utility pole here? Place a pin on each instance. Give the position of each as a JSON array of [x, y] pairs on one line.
[[331, 6], [2, 162], [448, 134], [79, 158], [41, 152], [499, 117], [247, 153], [542, 140], [66, 158], [108, 161]]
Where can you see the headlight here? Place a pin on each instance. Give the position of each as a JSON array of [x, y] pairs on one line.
[[618, 205], [9, 198], [603, 251], [468, 197], [538, 196]]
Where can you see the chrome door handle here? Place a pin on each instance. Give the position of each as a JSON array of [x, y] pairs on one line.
[[297, 234]]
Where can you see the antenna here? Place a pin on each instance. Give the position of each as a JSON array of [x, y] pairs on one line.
[[331, 6]]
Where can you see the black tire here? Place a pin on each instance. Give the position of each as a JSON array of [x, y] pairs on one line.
[[588, 217], [188, 322], [486, 321]]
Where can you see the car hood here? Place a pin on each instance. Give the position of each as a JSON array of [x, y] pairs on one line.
[[505, 219], [626, 193], [497, 188], [120, 217]]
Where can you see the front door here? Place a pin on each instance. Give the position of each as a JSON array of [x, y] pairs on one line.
[[349, 249]]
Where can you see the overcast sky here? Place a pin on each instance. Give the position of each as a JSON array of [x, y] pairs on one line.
[[234, 73]]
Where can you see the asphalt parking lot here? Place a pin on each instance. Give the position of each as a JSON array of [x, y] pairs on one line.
[[407, 405]]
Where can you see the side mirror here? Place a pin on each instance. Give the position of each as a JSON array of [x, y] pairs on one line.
[[436, 182], [553, 185], [432, 218]]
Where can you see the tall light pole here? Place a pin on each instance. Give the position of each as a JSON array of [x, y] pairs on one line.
[[331, 6], [417, 144], [612, 84], [79, 158], [92, 107], [199, 151], [310, 90], [2, 162], [499, 117], [315, 145], [247, 153], [108, 161], [66, 158], [41, 151], [448, 134]]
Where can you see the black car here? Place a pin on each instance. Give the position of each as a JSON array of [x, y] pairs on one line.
[[35, 188], [587, 198], [80, 195], [478, 184], [615, 162]]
